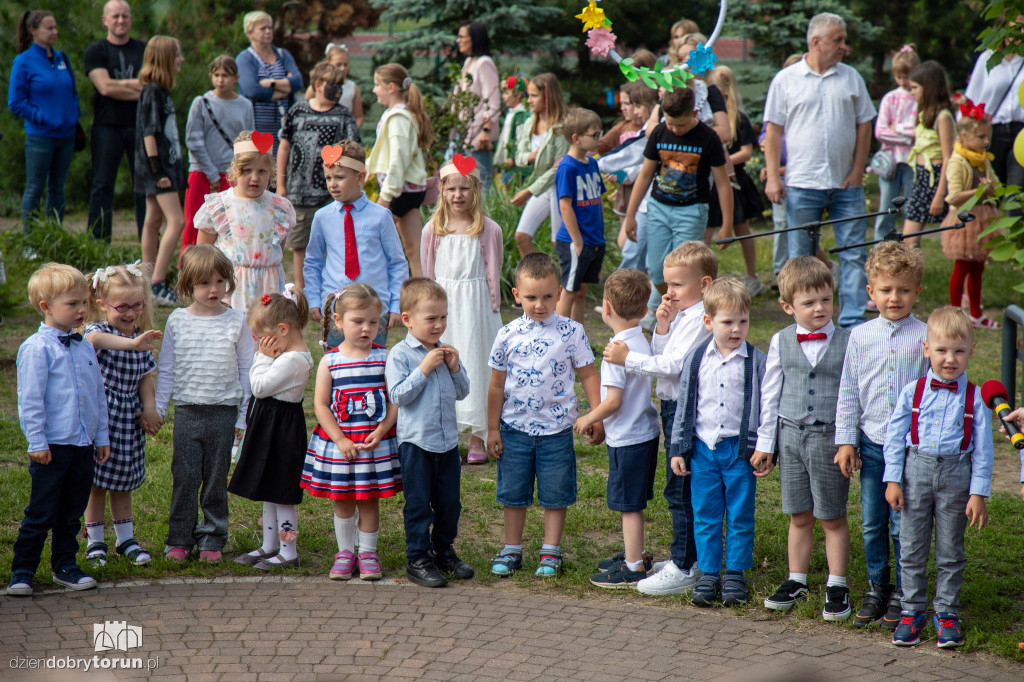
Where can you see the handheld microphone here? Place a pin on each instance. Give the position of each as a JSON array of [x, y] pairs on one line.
[[994, 394]]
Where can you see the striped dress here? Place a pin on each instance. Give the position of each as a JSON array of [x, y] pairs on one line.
[[358, 401]]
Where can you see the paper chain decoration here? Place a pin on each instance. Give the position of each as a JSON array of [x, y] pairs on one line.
[[601, 42]]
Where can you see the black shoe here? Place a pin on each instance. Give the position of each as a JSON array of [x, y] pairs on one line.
[[837, 603], [424, 573], [785, 597], [449, 562], [874, 604], [891, 619]]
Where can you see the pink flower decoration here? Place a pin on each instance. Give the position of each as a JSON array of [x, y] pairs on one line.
[[600, 41], [287, 535]]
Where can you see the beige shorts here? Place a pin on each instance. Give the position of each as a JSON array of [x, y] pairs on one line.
[[298, 238]]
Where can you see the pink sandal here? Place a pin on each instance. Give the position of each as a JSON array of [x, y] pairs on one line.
[[176, 555], [476, 455], [984, 322]]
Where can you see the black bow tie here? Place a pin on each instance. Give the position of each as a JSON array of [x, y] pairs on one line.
[[66, 339]]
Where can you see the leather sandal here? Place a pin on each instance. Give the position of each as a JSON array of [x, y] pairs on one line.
[[248, 559]]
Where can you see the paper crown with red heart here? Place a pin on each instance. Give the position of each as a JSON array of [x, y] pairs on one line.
[[460, 165], [334, 155], [260, 143]]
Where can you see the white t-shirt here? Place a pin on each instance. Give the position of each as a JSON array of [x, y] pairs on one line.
[[636, 420]]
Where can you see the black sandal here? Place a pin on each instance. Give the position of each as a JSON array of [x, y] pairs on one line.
[[96, 553], [131, 550]]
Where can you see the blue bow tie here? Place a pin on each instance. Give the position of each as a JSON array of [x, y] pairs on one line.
[[66, 339]]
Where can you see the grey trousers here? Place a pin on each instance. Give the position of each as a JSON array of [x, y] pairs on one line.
[[203, 435], [935, 494]]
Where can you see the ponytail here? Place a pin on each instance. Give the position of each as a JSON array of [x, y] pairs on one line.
[[397, 74], [327, 319], [28, 22]]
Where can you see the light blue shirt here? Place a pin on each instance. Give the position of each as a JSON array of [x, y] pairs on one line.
[[426, 404], [382, 263], [60, 392], [940, 429]]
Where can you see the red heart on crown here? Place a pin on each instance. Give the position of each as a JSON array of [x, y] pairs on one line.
[[464, 164], [263, 141], [330, 154]]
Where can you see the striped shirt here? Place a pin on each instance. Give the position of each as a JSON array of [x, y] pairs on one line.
[[268, 114], [881, 358]]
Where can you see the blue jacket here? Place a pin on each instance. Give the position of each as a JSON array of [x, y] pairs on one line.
[[42, 91]]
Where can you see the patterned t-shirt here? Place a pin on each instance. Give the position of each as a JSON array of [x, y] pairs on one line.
[[308, 131], [684, 164]]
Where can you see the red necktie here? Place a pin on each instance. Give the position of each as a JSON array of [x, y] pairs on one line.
[[351, 253], [816, 336], [950, 385]]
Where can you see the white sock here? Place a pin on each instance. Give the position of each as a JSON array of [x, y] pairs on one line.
[[345, 533], [94, 531], [124, 529], [799, 577], [368, 541], [634, 565], [288, 525], [512, 549], [269, 522], [836, 581]]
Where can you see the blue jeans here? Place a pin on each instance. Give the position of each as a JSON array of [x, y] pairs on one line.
[[807, 205], [551, 460], [668, 227], [634, 253], [899, 186], [109, 144], [483, 162], [430, 483], [879, 521], [723, 487], [677, 494], [47, 161], [59, 495]]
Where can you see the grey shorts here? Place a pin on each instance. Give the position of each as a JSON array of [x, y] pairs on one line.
[[298, 238], [811, 480]]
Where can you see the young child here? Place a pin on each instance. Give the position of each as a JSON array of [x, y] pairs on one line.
[[463, 250], [531, 409], [63, 413], [317, 121], [579, 242], [513, 94], [119, 309], [968, 168], [894, 130], [630, 427], [625, 128], [938, 472], [798, 414], [159, 172], [352, 456], [689, 269], [541, 145], [714, 443], [214, 121], [352, 240], [398, 158], [248, 223], [336, 54], [274, 450], [204, 365], [882, 356], [425, 381]]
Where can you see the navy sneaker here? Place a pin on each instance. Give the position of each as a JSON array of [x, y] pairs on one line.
[[20, 585], [734, 588], [74, 579], [619, 577], [948, 627], [908, 632], [893, 612], [609, 563], [707, 590]]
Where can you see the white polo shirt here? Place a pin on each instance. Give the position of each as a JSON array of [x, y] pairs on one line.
[[636, 420]]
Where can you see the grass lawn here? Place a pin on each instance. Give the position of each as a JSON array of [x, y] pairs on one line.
[[992, 596]]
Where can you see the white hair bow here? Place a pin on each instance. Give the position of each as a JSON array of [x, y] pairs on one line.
[[134, 269], [289, 292], [102, 274]]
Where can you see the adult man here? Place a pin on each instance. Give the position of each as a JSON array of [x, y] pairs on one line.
[[825, 111], [112, 65]]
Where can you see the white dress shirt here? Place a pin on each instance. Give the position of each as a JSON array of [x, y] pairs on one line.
[[685, 333], [720, 394]]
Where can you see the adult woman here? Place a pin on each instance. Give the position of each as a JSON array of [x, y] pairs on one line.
[[267, 75], [42, 91], [484, 128]]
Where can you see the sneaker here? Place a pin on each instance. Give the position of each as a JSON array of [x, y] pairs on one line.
[[504, 565], [369, 566], [344, 564], [670, 580], [619, 577], [874, 604], [908, 632], [948, 627], [20, 585], [550, 564], [609, 563], [892, 616], [707, 590], [837, 603], [734, 589], [163, 295], [753, 285], [74, 579], [96, 554], [29, 253], [786, 596]]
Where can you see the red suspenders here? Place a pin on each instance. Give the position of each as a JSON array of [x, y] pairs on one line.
[[968, 413]]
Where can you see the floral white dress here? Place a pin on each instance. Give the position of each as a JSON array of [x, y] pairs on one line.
[[250, 233]]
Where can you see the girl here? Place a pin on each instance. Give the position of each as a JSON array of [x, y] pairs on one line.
[[933, 143], [158, 167], [462, 249], [214, 121], [968, 168], [541, 146], [353, 456], [746, 197], [248, 223], [119, 308], [404, 136], [513, 93], [626, 128], [336, 54], [894, 129], [204, 366], [270, 464]]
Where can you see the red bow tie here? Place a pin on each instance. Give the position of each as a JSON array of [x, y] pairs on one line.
[[816, 336], [950, 385]]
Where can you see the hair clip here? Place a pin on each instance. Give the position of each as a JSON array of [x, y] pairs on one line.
[[102, 274], [289, 292], [907, 48], [338, 294], [134, 269], [972, 110], [266, 299], [406, 83], [322, 343]]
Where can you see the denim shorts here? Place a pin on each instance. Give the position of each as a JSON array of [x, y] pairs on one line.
[[549, 459], [631, 471]]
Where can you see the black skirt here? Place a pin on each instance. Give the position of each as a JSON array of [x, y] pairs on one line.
[[746, 202], [270, 464]]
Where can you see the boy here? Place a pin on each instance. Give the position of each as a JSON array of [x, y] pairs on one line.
[[680, 155], [630, 426], [531, 409], [688, 270], [353, 240], [882, 357], [62, 407], [310, 125], [425, 378], [579, 243], [798, 413], [938, 472], [715, 432]]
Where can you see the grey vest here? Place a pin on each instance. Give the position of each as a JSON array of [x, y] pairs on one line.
[[810, 391]]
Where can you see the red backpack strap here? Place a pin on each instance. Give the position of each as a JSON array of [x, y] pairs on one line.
[[968, 417], [915, 409]]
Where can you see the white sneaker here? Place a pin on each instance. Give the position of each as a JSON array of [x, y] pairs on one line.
[[753, 285], [670, 580]]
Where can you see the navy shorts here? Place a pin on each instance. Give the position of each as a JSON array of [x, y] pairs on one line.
[[582, 269], [631, 471], [551, 460]]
